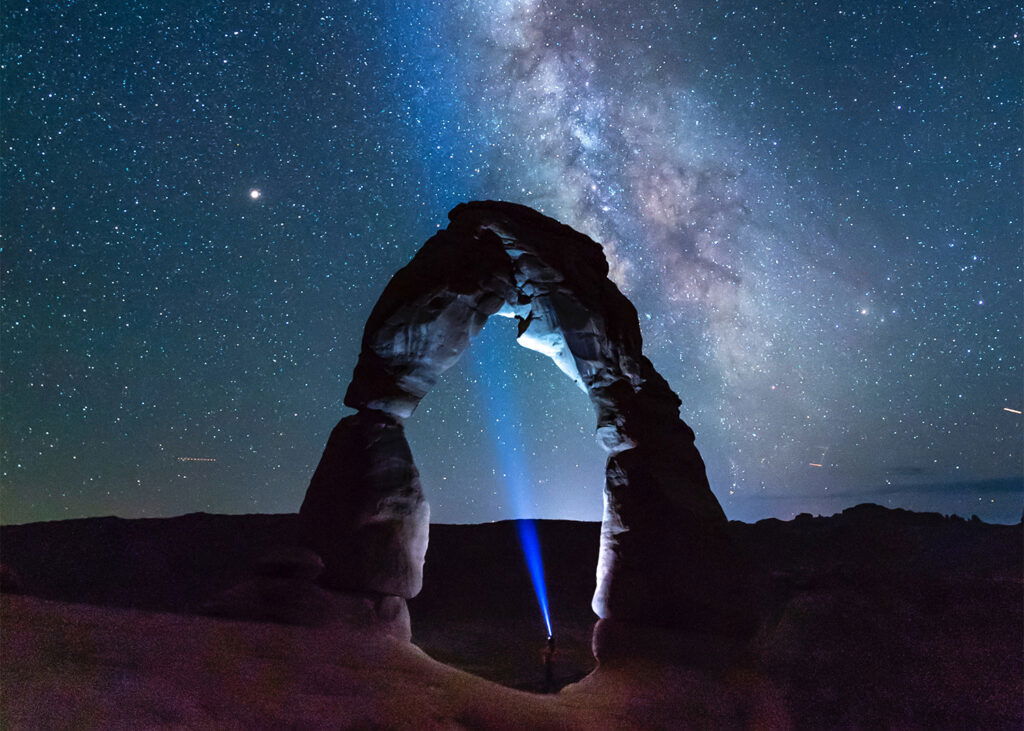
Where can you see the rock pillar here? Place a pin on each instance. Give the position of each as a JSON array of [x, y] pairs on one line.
[[364, 511]]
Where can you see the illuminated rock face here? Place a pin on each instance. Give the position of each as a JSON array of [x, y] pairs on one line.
[[663, 551]]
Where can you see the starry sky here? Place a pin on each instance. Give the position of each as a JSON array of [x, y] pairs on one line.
[[815, 206]]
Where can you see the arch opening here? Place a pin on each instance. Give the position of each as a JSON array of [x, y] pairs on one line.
[[525, 475]]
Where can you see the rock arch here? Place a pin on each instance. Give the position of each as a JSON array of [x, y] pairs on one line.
[[663, 554]]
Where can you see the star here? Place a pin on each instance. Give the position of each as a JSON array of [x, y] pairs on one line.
[[745, 212]]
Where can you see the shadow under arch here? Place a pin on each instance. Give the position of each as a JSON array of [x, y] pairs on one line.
[[663, 555]]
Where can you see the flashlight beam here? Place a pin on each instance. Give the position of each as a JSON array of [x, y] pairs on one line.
[[531, 550], [507, 439]]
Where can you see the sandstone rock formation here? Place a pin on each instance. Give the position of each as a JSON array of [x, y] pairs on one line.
[[364, 511], [284, 591], [663, 557]]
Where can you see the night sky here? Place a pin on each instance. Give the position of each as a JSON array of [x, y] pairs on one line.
[[815, 206]]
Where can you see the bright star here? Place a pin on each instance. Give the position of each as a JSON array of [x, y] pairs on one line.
[[255, 193]]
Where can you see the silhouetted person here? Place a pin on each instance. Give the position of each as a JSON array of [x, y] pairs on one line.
[[549, 656]]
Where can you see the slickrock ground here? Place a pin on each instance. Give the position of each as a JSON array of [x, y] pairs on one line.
[[80, 666], [873, 617]]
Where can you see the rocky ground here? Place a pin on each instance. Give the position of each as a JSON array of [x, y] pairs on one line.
[[873, 617]]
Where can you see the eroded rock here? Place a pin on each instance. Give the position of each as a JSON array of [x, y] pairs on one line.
[[305, 604], [664, 557], [364, 511], [290, 562]]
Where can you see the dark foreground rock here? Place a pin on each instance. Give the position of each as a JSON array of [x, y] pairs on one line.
[[364, 511], [874, 617]]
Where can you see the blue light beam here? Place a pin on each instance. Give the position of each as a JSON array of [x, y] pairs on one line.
[[505, 430], [527, 530]]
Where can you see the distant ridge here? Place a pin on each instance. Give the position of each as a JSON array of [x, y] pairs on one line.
[[173, 564]]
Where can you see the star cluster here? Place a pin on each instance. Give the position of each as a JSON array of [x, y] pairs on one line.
[[815, 206]]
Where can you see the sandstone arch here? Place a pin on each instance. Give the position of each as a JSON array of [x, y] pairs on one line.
[[663, 557]]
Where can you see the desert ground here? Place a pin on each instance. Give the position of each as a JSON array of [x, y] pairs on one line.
[[873, 617]]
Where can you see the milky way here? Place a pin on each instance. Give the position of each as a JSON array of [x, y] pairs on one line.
[[815, 208]]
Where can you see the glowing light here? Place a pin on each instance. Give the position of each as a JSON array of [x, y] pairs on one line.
[[815, 464], [528, 539], [255, 193], [197, 459], [505, 432], [1012, 411]]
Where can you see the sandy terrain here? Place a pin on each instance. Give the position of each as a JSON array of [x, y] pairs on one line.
[[872, 618]]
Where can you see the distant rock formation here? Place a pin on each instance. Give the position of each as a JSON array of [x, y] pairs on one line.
[[664, 557], [10, 583]]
